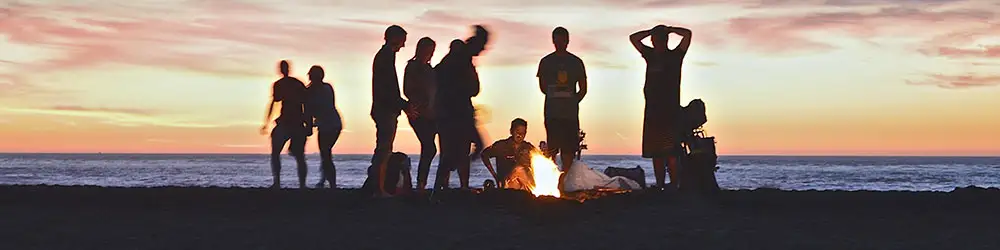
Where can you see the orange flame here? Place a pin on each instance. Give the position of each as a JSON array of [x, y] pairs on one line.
[[545, 174]]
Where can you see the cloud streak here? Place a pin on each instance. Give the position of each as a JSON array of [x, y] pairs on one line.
[[793, 34], [122, 117], [959, 81]]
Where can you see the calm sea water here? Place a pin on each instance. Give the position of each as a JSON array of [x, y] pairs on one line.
[[737, 172]]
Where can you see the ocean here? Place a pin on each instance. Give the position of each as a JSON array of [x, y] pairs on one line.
[[736, 172]]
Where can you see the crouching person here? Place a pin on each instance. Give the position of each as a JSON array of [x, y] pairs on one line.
[[397, 176], [513, 157]]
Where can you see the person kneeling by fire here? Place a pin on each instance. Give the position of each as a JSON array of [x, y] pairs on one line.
[[513, 158]]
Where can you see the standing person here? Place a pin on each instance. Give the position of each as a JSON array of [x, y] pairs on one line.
[[386, 101], [458, 82], [291, 124], [419, 86], [322, 107], [559, 73], [662, 91]]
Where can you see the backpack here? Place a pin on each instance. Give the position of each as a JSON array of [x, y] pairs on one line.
[[397, 180], [699, 159]]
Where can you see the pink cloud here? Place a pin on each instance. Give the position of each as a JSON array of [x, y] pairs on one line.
[[790, 34], [953, 52], [521, 42], [958, 81], [244, 30]]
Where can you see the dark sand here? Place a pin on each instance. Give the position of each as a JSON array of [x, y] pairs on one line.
[[42, 217]]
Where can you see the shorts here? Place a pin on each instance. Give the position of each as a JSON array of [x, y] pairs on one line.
[[284, 132], [562, 135]]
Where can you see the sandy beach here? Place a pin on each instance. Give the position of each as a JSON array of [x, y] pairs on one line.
[[59, 217]]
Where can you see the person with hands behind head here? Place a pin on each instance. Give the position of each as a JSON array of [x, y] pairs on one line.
[[662, 92]]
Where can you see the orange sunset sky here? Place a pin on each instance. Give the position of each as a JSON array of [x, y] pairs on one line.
[[833, 77]]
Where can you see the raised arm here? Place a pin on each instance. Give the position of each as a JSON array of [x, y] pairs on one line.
[[636, 39], [685, 41]]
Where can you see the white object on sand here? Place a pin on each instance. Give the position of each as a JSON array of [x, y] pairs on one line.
[[581, 177]]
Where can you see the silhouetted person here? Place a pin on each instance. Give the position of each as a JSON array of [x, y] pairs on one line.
[[321, 106], [419, 86], [458, 82], [386, 101], [663, 96], [291, 124], [559, 73], [509, 153], [477, 137]]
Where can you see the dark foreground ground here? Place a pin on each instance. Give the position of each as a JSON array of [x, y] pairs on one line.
[[41, 217]]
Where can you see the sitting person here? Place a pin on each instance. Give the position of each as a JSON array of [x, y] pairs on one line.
[[511, 153]]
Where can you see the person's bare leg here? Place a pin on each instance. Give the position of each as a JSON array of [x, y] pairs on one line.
[[464, 169], [276, 168], [567, 160], [300, 160], [672, 171], [659, 170], [382, 166], [277, 144]]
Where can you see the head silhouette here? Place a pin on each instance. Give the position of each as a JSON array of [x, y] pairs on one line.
[[316, 74], [283, 67], [659, 36], [518, 129], [456, 45], [560, 38], [395, 37], [425, 50]]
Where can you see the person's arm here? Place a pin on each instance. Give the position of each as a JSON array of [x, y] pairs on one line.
[[413, 85], [410, 82], [541, 80], [583, 82], [685, 40], [487, 154], [383, 80], [275, 97], [636, 39], [267, 117], [308, 110], [475, 86]]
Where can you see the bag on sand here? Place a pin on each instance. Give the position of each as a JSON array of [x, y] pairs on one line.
[[397, 180], [636, 174]]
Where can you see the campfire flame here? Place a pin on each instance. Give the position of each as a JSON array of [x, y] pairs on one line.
[[545, 174]]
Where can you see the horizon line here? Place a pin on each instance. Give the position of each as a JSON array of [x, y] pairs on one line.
[[417, 154]]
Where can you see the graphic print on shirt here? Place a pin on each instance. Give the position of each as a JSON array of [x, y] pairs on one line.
[[562, 89]]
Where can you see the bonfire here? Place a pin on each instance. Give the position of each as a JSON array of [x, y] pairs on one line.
[[545, 176]]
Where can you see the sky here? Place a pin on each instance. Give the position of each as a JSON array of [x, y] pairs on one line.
[[832, 77]]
